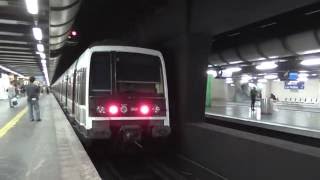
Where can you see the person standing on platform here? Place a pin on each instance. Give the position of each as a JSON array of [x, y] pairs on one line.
[[11, 94], [33, 92], [253, 94]]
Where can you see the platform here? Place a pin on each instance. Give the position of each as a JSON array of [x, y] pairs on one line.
[[287, 119], [46, 150]]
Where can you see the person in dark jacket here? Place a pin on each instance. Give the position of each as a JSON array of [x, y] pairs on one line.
[[33, 92], [253, 94]]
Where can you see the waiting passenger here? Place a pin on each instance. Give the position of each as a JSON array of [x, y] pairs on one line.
[[33, 92], [11, 94], [273, 97], [253, 94]]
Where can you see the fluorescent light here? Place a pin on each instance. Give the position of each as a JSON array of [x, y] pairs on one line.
[[235, 62], [262, 80], [234, 69], [261, 59], [37, 33], [212, 72], [209, 65], [273, 57], [42, 55], [271, 76], [267, 65], [232, 85], [40, 47], [309, 51], [11, 71], [313, 74], [43, 61], [311, 62], [32, 6]]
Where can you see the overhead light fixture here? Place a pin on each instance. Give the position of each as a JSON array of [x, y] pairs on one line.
[[235, 62], [43, 61], [37, 33], [234, 69], [262, 80], [313, 74], [309, 52], [261, 59], [273, 57], [212, 73], [32, 6], [42, 55], [266, 65], [311, 62], [232, 85], [209, 65], [40, 47], [11, 71], [270, 76]]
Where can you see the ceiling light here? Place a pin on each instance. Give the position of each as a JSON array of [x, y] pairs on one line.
[[313, 74], [311, 62], [37, 33], [262, 80], [232, 85], [32, 6], [209, 65], [267, 65], [10, 71], [261, 59], [42, 55], [212, 72], [273, 57], [271, 76], [43, 61], [234, 69], [40, 47], [309, 51], [235, 62]]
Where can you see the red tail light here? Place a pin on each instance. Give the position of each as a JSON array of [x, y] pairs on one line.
[[144, 109], [113, 109]]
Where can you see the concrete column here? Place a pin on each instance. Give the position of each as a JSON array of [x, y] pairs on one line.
[[186, 58]]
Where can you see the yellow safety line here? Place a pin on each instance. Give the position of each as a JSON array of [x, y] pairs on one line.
[[12, 122]]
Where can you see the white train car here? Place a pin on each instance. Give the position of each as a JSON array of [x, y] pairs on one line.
[[116, 90]]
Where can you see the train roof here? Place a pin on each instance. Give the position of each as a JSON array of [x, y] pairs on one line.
[[113, 42]]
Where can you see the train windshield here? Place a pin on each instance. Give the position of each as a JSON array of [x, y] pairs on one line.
[[138, 74]]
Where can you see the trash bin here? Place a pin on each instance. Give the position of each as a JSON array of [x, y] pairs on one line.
[[266, 106]]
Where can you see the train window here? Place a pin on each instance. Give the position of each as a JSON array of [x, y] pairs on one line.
[[138, 73], [100, 74]]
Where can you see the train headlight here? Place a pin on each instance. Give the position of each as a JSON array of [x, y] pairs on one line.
[[113, 109], [144, 109]]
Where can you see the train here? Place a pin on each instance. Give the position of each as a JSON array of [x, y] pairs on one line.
[[116, 90]]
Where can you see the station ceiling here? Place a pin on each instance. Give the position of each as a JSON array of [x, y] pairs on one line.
[[96, 20], [17, 44]]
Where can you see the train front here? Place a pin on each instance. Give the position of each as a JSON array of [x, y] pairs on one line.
[[128, 95]]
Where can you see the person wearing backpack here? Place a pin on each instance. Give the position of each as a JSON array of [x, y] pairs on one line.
[[33, 92]]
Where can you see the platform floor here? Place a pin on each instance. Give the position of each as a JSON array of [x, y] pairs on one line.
[[46, 150], [292, 117]]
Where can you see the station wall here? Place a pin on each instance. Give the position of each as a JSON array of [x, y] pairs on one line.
[[311, 90], [4, 84]]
